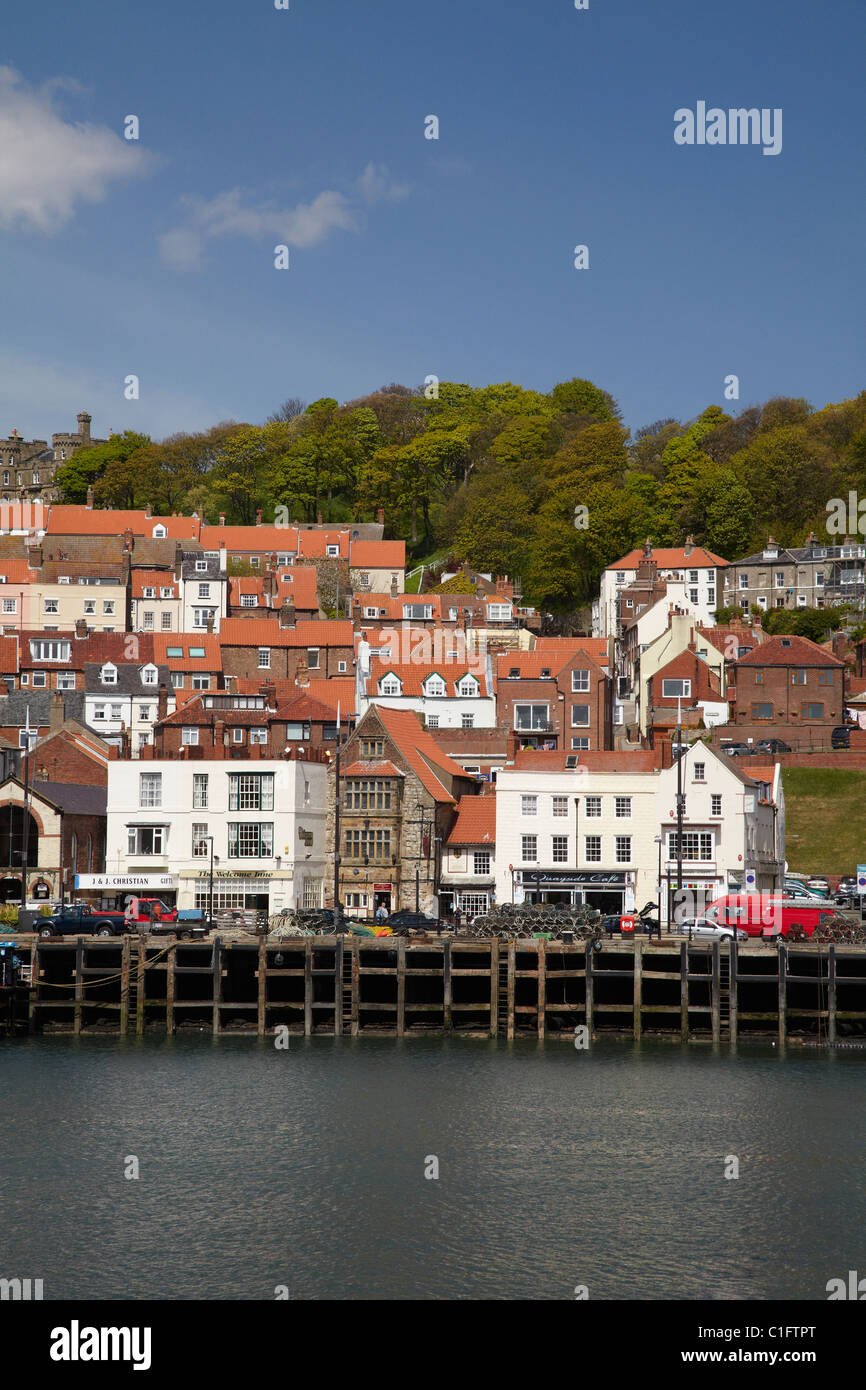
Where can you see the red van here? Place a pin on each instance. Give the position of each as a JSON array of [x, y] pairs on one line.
[[767, 914]]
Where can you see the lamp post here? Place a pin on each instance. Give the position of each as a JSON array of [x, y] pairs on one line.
[[658, 840], [209, 839]]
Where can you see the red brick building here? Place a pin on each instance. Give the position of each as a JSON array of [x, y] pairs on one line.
[[787, 687], [275, 650], [558, 697]]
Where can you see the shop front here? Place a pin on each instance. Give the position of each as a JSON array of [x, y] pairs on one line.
[[114, 891], [608, 891], [253, 891]]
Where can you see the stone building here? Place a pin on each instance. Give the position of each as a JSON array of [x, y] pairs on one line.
[[398, 800], [28, 467], [814, 575]]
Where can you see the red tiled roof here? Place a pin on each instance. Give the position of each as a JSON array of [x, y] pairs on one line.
[[381, 555], [371, 769], [153, 579], [476, 821], [336, 690], [211, 661], [673, 557], [70, 520], [18, 572], [420, 750], [307, 632], [531, 664], [250, 540], [596, 647], [616, 760], [798, 651], [412, 676]]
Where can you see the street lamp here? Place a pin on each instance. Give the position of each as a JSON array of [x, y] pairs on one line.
[[210, 839]]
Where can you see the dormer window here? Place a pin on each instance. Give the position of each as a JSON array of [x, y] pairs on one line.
[[108, 674], [468, 686], [149, 675], [332, 551], [390, 685], [435, 686], [159, 533], [201, 565], [149, 592]]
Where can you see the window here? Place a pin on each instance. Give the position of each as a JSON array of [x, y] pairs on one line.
[[622, 807], [148, 592], [580, 716], [699, 771], [108, 607], [237, 735], [264, 658], [592, 849], [819, 579], [368, 794], [149, 675], [467, 721], [697, 845], [332, 551], [25, 740], [90, 607], [531, 717], [189, 737], [759, 678], [432, 721], [177, 680], [580, 745], [258, 736], [251, 791], [39, 678], [435, 686], [117, 711], [372, 747], [65, 680], [108, 675], [146, 839], [580, 680], [249, 600], [808, 711], [560, 805], [481, 862], [149, 788], [144, 712], [201, 565], [761, 711], [715, 805], [623, 849], [313, 658], [99, 713], [467, 686], [390, 685], [10, 605], [825, 677], [620, 576], [592, 806], [560, 849], [529, 849], [166, 593], [744, 581], [693, 576], [204, 590], [52, 605], [798, 677], [159, 532], [529, 805], [674, 689], [165, 622], [147, 623], [200, 682], [499, 612], [779, 579], [200, 843], [341, 665], [368, 844], [251, 841], [200, 616]]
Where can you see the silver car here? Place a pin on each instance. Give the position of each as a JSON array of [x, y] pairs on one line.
[[715, 931]]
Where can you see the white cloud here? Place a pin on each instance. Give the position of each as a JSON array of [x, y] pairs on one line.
[[48, 164], [376, 183], [305, 225]]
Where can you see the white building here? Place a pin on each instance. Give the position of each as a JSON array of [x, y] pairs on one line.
[[455, 692], [733, 827], [266, 819], [125, 697], [700, 571]]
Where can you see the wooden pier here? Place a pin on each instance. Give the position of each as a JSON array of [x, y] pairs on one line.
[[335, 985]]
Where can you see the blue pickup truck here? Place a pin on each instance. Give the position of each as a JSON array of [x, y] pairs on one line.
[[80, 919]]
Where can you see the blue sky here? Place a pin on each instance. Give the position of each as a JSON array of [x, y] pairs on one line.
[[412, 256]]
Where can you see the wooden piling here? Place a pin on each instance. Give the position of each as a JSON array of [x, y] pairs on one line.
[[338, 987], [494, 987], [542, 987], [34, 984], [140, 978], [170, 987], [308, 988], [638, 988], [216, 965], [356, 987], [401, 985], [684, 991], [509, 1032], [831, 993], [262, 986], [733, 986], [588, 1001], [714, 995], [783, 994], [124, 985], [79, 983]]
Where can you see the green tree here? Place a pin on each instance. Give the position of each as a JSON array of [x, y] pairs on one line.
[[87, 466]]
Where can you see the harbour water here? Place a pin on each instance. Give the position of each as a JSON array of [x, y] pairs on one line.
[[305, 1168]]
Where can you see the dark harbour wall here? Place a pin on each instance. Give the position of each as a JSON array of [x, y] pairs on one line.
[[345, 985]]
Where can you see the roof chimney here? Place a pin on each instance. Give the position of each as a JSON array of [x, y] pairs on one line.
[[128, 540], [56, 712], [259, 517], [162, 702], [394, 590], [210, 622], [689, 546], [380, 516], [319, 518], [287, 614], [90, 498], [80, 628], [222, 518]]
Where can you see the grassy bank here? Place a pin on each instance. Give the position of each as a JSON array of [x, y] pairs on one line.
[[825, 820]]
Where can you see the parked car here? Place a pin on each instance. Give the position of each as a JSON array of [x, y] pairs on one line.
[[847, 892], [797, 888], [773, 745], [768, 914], [738, 750], [75, 919], [718, 931], [819, 885], [841, 737], [406, 921]]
